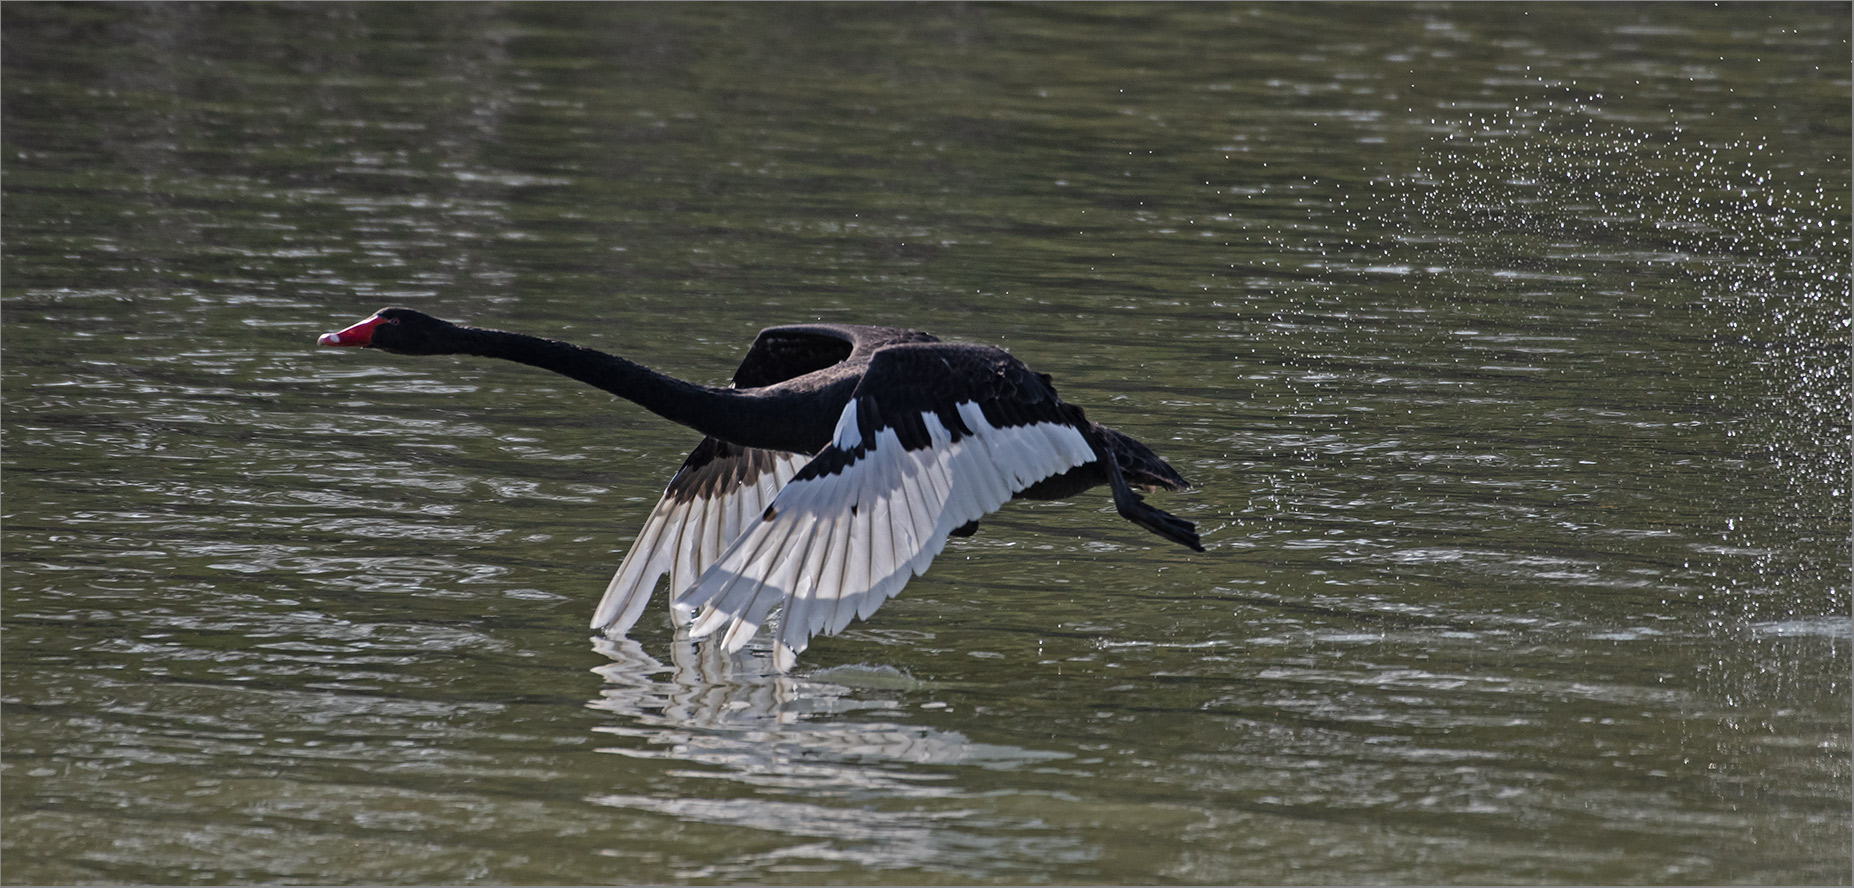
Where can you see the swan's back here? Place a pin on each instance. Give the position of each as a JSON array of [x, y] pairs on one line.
[[782, 354]]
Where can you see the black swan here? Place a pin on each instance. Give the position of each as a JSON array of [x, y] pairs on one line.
[[835, 467]]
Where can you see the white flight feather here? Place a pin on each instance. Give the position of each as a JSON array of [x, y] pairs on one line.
[[682, 539], [836, 546]]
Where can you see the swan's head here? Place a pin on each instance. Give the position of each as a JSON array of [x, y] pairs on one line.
[[397, 330]]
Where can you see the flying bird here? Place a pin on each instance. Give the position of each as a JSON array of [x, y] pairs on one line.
[[834, 469]]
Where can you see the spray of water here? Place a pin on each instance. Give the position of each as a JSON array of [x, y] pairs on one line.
[[1750, 244]]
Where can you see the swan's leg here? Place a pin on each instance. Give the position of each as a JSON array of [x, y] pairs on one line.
[[1134, 507]]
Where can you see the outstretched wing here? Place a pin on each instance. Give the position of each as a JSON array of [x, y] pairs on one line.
[[936, 436], [720, 485], [718, 491]]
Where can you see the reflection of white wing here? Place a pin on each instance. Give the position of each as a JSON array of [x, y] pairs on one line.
[[703, 510], [868, 513]]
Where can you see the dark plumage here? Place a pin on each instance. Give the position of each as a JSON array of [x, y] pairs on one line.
[[833, 469]]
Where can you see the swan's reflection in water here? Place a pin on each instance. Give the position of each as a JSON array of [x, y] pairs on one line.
[[827, 758]]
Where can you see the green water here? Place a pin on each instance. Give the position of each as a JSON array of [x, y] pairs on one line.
[[1506, 344]]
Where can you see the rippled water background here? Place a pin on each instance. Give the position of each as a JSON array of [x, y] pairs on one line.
[[1508, 345]]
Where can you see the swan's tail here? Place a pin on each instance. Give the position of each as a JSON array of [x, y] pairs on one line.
[[1138, 464]]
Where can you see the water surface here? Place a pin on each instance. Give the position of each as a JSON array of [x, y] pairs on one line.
[[1508, 346]]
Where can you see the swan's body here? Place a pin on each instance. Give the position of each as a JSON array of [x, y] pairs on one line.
[[835, 468]]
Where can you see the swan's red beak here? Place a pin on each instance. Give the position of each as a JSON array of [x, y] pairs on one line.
[[359, 334]]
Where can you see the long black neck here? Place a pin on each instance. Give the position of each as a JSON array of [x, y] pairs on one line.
[[795, 419]]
